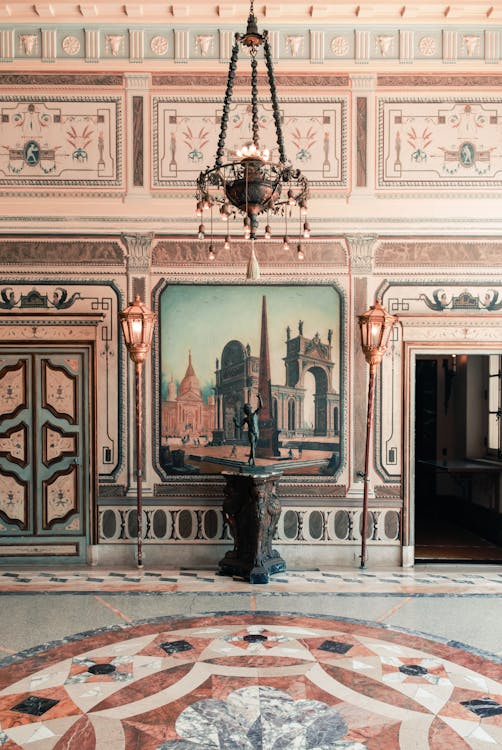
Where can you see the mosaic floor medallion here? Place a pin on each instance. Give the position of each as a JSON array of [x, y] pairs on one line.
[[252, 680]]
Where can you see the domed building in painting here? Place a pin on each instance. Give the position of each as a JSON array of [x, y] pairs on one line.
[[184, 413]]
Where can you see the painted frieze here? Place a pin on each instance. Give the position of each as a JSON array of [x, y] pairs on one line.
[[60, 141], [439, 142], [185, 133]]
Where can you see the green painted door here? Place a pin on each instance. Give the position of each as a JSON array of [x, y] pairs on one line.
[[46, 465]]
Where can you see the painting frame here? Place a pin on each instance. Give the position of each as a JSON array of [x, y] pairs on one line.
[[190, 290]]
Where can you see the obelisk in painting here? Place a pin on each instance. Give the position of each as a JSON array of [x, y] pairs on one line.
[[268, 443]]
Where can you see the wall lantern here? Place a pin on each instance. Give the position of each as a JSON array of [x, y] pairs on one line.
[[137, 323], [376, 326]]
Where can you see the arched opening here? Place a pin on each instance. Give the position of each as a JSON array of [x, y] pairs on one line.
[[320, 402], [291, 415]]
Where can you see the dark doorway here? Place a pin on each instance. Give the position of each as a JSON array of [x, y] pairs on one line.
[[457, 479]]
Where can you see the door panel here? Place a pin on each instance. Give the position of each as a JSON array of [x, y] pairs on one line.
[[45, 457]]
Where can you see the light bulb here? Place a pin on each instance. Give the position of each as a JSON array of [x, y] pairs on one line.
[[199, 208], [285, 244], [306, 230], [211, 252], [299, 252], [291, 198], [225, 212], [303, 208], [202, 231], [226, 245], [268, 232]]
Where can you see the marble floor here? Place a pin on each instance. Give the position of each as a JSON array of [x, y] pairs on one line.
[[313, 660]]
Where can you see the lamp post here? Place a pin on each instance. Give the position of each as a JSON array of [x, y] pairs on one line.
[[137, 323], [376, 326]]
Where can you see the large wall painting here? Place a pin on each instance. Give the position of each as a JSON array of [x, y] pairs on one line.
[[60, 141], [221, 346], [440, 142], [185, 137]]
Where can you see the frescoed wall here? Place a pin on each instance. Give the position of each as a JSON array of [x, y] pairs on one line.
[[107, 114]]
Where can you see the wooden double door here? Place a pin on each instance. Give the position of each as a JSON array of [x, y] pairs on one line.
[[46, 456]]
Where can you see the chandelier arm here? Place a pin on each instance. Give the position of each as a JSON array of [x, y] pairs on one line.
[[226, 103], [273, 93], [254, 97]]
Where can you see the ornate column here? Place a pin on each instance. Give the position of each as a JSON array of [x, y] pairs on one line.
[[361, 253], [138, 255], [252, 509]]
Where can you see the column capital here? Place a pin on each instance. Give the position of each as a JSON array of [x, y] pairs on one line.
[[361, 252], [138, 251]]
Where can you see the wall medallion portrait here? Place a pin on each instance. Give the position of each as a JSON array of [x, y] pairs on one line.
[[276, 348]]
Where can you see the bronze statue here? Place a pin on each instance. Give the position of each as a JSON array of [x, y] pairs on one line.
[[251, 419]]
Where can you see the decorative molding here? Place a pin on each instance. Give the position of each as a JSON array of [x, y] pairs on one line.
[[197, 80], [138, 251], [60, 252], [446, 80], [206, 524], [361, 140], [181, 252], [34, 80], [361, 252], [477, 252]]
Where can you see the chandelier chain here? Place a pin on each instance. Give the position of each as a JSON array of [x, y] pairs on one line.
[[273, 94], [254, 97], [226, 103]]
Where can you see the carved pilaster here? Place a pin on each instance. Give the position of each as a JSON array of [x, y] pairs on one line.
[[362, 252], [138, 252]]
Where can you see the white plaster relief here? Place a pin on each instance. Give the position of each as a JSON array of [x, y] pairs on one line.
[[138, 251], [427, 46], [28, 44], [385, 45], [294, 45], [114, 44], [159, 45], [362, 252], [136, 45], [470, 42], [204, 44], [71, 45], [339, 46]]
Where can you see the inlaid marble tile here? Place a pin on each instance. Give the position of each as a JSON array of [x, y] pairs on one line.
[[252, 680]]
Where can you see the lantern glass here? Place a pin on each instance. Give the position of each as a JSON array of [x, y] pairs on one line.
[[376, 326], [137, 322]]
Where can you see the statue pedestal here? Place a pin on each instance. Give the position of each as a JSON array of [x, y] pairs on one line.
[[252, 508]]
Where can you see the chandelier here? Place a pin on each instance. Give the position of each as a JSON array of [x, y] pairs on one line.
[[253, 182]]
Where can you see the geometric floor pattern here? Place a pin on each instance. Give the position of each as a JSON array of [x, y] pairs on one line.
[[412, 581], [251, 680]]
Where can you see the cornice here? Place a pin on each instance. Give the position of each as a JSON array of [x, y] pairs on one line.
[[295, 11]]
